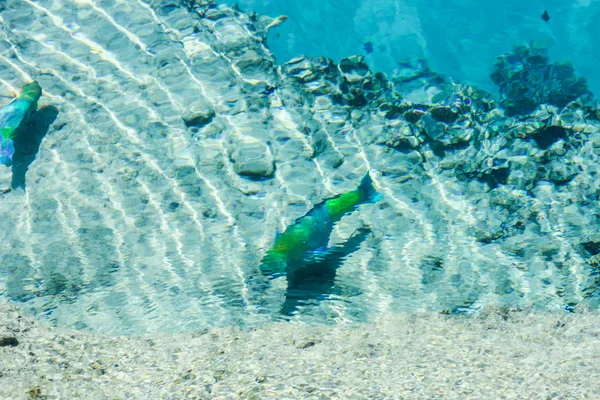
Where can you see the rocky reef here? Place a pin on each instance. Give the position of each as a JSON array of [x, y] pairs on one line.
[[538, 143], [526, 80], [188, 149]]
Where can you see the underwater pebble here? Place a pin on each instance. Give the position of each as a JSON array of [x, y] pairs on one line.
[[305, 344], [8, 340], [253, 160], [198, 115]]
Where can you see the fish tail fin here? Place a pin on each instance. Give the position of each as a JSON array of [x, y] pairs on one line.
[[370, 194]]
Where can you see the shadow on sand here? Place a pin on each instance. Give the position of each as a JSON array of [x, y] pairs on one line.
[[316, 279], [311, 279], [27, 142]]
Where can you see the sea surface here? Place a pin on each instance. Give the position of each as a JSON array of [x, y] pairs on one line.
[[175, 140]]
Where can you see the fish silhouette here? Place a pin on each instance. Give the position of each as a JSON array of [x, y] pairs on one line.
[[545, 16], [316, 278]]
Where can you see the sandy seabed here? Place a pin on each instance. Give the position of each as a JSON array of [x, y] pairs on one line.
[[499, 355]]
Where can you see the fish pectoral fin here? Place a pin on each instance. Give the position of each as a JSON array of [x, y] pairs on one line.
[[273, 266]]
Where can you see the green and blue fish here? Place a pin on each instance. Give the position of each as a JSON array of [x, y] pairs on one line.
[[301, 253], [12, 115]]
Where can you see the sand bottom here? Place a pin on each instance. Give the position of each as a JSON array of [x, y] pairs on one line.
[[500, 355]]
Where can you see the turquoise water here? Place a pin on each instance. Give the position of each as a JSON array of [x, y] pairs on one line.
[[169, 150], [459, 38]]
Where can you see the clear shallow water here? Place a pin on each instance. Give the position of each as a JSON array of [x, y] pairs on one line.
[[132, 220]]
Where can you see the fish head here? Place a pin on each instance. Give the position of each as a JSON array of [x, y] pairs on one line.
[[7, 150]]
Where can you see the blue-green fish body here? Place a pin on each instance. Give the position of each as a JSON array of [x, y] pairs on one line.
[[307, 237], [12, 115]]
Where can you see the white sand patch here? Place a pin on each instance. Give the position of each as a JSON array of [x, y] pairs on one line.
[[500, 355]]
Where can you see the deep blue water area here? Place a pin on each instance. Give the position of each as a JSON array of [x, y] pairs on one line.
[[460, 38]]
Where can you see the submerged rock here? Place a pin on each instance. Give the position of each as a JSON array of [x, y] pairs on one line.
[[253, 160], [198, 115], [8, 339], [354, 69], [443, 114]]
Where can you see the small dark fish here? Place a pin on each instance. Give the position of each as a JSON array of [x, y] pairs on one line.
[[368, 47], [545, 16]]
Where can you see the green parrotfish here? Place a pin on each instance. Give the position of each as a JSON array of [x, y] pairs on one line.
[[12, 115], [306, 239]]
